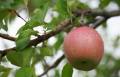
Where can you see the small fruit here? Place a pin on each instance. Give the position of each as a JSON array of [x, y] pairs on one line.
[[83, 48]]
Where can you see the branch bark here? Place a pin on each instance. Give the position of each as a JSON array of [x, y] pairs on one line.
[[56, 63], [97, 13], [6, 36], [59, 28]]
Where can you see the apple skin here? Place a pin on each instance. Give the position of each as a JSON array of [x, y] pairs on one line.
[[83, 48]]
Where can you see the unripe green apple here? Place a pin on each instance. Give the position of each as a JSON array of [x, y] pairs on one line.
[[84, 48]]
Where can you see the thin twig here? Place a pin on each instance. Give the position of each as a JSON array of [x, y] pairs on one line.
[[56, 63], [98, 22], [14, 11]]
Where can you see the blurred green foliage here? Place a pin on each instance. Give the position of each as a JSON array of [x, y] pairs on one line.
[[27, 58]]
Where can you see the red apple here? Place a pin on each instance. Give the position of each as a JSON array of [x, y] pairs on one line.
[[83, 47]]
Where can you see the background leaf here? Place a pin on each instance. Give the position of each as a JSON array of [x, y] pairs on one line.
[[118, 2], [62, 8], [104, 3], [59, 42], [67, 71], [25, 72], [24, 38], [46, 51], [5, 74], [4, 69], [23, 56]]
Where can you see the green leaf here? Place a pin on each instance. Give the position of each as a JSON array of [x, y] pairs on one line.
[[104, 3], [16, 3], [10, 4], [62, 8], [40, 3], [3, 19], [55, 21], [13, 58], [36, 19], [24, 38], [5, 4], [3, 14], [57, 74], [59, 41], [4, 69], [81, 5], [67, 71], [5, 74], [26, 2], [25, 72], [24, 57], [29, 25], [27, 56], [3, 24], [118, 2], [46, 51], [39, 14]]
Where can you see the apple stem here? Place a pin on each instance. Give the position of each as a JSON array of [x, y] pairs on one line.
[[82, 21]]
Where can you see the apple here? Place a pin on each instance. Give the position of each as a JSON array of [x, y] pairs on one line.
[[83, 48]]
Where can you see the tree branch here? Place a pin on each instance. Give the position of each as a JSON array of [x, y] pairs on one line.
[[6, 36], [65, 24], [99, 21], [56, 63], [59, 28], [41, 38], [97, 13]]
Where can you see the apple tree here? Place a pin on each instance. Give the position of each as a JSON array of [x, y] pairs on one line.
[[36, 47]]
